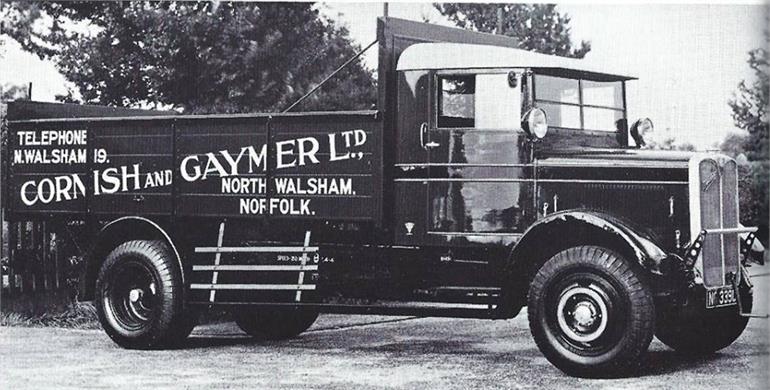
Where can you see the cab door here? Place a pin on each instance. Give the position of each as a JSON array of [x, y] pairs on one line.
[[410, 168], [479, 187]]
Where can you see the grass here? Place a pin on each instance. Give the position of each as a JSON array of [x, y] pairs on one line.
[[81, 315]]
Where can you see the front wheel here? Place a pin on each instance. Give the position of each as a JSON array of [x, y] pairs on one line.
[[697, 330], [139, 296], [590, 312], [274, 323]]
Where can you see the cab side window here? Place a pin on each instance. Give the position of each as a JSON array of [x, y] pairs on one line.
[[482, 101], [456, 101]]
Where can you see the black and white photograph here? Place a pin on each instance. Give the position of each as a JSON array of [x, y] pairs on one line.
[[384, 195]]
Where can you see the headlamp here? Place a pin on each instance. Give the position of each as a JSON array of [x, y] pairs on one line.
[[535, 123]]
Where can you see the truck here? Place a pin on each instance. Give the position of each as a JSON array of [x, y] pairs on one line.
[[488, 179]]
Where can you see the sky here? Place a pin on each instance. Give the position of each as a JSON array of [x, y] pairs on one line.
[[689, 58]]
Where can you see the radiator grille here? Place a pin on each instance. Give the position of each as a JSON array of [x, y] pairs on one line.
[[717, 193]]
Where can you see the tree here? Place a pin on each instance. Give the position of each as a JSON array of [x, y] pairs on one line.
[[749, 106], [733, 144], [199, 57], [10, 92], [666, 140], [537, 27], [749, 109]]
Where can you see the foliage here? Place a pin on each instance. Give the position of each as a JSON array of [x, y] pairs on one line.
[[665, 140], [749, 106], [78, 315], [9, 92], [753, 184], [537, 27], [199, 57], [733, 144], [754, 179], [749, 109]]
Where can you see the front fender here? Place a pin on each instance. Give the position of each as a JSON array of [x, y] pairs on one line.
[[644, 250], [569, 228], [556, 232], [559, 231]]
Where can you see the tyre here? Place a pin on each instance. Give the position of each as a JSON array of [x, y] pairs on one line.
[[590, 312], [139, 296], [183, 329], [697, 330], [274, 323]]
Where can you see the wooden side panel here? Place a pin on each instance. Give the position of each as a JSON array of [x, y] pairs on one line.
[[310, 166], [138, 167], [200, 143], [91, 166], [48, 175], [343, 178], [25, 110], [321, 166]]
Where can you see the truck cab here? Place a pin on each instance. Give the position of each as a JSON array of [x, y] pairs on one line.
[[503, 148], [465, 145]]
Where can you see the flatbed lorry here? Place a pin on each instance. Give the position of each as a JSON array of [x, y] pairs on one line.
[[489, 179]]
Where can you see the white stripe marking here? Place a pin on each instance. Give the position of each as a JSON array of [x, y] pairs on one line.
[[303, 260], [204, 286], [255, 268], [257, 249], [217, 258]]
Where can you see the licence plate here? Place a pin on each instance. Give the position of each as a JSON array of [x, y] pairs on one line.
[[721, 296]]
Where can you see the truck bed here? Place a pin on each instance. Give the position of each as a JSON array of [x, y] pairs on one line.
[[325, 165]]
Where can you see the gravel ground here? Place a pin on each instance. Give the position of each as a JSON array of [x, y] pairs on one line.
[[353, 352]]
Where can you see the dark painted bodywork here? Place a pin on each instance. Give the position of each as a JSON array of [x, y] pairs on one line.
[[454, 230]]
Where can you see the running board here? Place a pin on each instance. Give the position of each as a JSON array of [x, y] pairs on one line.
[[461, 294], [428, 310]]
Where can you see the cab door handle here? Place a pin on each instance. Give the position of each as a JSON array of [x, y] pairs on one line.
[[423, 132]]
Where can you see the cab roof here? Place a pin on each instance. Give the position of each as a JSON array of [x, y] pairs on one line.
[[428, 56]]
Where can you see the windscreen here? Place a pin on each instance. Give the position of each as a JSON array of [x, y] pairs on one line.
[[580, 104]]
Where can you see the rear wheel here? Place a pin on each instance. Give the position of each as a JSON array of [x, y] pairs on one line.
[[139, 296], [590, 312], [184, 328], [274, 323], [697, 330]]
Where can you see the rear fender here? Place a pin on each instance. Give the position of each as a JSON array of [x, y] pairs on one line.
[[115, 233]]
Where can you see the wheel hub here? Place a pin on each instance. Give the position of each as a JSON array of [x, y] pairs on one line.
[[135, 295], [585, 314], [131, 296], [582, 313]]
